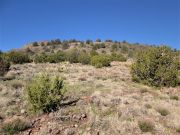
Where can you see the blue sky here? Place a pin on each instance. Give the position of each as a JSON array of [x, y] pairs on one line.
[[143, 21]]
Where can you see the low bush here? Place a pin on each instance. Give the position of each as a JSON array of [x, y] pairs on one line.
[[52, 58], [72, 55], [163, 111], [17, 57], [15, 126], [118, 57], [146, 126], [84, 58], [35, 44], [100, 61], [40, 58], [93, 53], [157, 67], [45, 93], [178, 129], [4, 66], [174, 97]]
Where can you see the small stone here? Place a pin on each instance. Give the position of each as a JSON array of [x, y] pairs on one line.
[[69, 131], [83, 115], [88, 129], [75, 125], [23, 111], [51, 115]]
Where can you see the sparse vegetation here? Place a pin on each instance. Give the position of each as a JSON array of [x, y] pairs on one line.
[[4, 66], [15, 126], [17, 57], [146, 126], [97, 99], [178, 130], [174, 97], [45, 93]]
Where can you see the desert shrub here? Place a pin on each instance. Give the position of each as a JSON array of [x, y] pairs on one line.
[[61, 56], [118, 57], [89, 41], [42, 44], [35, 44], [72, 55], [93, 53], [45, 93], [108, 40], [65, 45], [16, 84], [98, 46], [17, 57], [15, 126], [100, 61], [114, 47], [146, 126], [130, 54], [40, 58], [163, 111], [98, 40], [56, 57], [84, 58], [124, 49], [157, 67], [174, 97], [178, 129], [4, 66]]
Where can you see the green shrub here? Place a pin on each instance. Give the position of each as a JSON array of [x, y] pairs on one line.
[[84, 58], [15, 127], [178, 129], [109, 40], [45, 93], [146, 126], [65, 45], [100, 61], [52, 58], [118, 57], [4, 66], [35, 44], [124, 49], [114, 47], [56, 57], [89, 41], [40, 58], [98, 40], [72, 55], [17, 57], [157, 67], [93, 53], [174, 97]]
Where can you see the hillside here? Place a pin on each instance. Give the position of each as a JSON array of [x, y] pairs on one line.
[[98, 101]]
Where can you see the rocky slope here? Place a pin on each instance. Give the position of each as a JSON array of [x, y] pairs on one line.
[[98, 102]]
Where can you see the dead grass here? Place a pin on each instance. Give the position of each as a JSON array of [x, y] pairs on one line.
[[113, 103]]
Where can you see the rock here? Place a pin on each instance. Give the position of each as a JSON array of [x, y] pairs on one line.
[[69, 131], [83, 115], [51, 115], [23, 111]]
